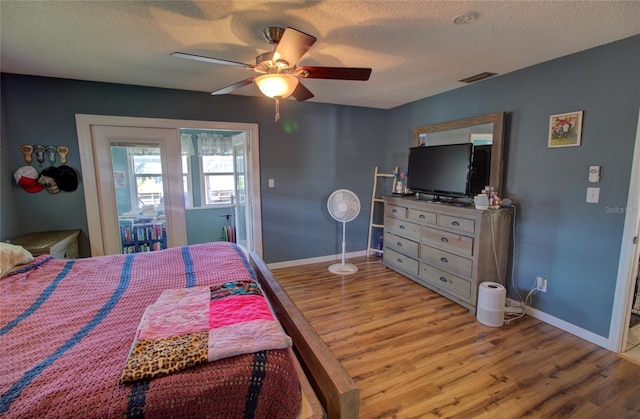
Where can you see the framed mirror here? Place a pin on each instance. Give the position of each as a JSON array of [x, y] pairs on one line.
[[486, 132]]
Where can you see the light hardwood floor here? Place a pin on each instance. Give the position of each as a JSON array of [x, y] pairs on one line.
[[414, 353]]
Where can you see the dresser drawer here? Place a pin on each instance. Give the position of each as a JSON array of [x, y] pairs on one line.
[[446, 281], [69, 252], [448, 241], [402, 228], [446, 261], [457, 223], [400, 244], [395, 211], [60, 244], [421, 216], [401, 261]]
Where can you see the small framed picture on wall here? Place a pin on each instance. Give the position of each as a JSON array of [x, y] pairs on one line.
[[565, 129]]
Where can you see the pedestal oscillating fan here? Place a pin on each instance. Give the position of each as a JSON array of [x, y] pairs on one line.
[[344, 206]]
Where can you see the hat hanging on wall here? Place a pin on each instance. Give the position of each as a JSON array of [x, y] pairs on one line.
[[66, 178], [27, 178], [48, 179]]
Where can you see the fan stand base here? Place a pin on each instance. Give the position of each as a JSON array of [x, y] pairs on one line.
[[343, 268]]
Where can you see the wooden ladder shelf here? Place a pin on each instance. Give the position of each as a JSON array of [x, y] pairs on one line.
[[377, 203]]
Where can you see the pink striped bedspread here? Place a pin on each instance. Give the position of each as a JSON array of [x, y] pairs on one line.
[[67, 327]]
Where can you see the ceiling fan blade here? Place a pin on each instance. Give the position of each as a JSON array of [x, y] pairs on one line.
[[292, 46], [336, 73], [301, 93], [212, 60], [234, 86]]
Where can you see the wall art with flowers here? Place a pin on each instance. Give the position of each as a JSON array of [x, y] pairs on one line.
[[565, 129]]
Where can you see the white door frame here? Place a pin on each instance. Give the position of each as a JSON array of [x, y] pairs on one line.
[[629, 254], [89, 179], [241, 217]]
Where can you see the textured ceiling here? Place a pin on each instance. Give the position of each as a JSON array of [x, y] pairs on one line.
[[413, 47]]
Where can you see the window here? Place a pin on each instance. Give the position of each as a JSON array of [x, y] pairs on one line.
[[217, 176], [216, 168], [147, 170]]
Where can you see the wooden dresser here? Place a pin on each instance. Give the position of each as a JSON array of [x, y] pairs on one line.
[[447, 248], [60, 244]]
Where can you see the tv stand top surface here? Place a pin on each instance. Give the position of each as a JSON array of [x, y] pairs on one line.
[[438, 199], [421, 202]]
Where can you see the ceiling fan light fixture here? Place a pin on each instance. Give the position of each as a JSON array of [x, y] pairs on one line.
[[277, 85]]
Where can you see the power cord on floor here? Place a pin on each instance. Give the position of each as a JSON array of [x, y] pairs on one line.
[[509, 317]]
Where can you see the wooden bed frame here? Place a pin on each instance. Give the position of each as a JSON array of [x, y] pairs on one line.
[[331, 383]]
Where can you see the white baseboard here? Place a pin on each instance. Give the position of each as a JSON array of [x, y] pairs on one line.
[[568, 327], [329, 258]]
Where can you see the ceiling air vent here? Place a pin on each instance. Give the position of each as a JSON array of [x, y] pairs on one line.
[[478, 77]]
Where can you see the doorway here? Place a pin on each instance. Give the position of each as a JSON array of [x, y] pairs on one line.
[[139, 188], [101, 183], [217, 197], [628, 265]]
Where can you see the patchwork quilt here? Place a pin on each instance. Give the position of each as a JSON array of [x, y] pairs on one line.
[[189, 326]]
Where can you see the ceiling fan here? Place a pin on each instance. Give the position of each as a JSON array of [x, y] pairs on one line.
[[278, 74]]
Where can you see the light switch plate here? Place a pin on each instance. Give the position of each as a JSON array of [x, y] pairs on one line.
[[272, 183], [594, 174], [593, 195]]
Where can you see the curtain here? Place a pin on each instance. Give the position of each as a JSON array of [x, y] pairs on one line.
[[186, 144], [210, 144]]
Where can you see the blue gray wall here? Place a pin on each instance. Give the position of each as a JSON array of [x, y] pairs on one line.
[[575, 245], [318, 148], [313, 150]]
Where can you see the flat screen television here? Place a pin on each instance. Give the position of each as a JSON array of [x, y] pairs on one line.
[[441, 170]]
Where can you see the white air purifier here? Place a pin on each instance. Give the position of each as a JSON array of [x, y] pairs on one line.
[[491, 300]]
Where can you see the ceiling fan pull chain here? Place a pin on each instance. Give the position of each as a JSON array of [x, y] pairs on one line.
[[277, 108]]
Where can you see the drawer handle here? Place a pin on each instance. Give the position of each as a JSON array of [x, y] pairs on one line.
[[401, 227], [443, 279], [399, 260], [444, 240], [399, 244], [455, 223], [66, 254], [421, 216], [395, 211], [444, 259]]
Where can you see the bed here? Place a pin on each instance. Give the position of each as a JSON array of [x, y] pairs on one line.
[[68, 327]]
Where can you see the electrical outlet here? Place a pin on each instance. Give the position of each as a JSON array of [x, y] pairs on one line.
[[541, 283]]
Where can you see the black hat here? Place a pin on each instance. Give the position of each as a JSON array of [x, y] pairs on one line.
[[48, 179], [66, 178]]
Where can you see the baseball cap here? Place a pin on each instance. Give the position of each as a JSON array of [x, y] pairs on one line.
[[27, 178], [66, 178], [47, 179]]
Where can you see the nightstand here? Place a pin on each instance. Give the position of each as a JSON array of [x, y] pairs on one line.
[[60, 244]]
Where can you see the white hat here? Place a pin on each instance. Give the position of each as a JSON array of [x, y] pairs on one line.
[[27, 177]]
